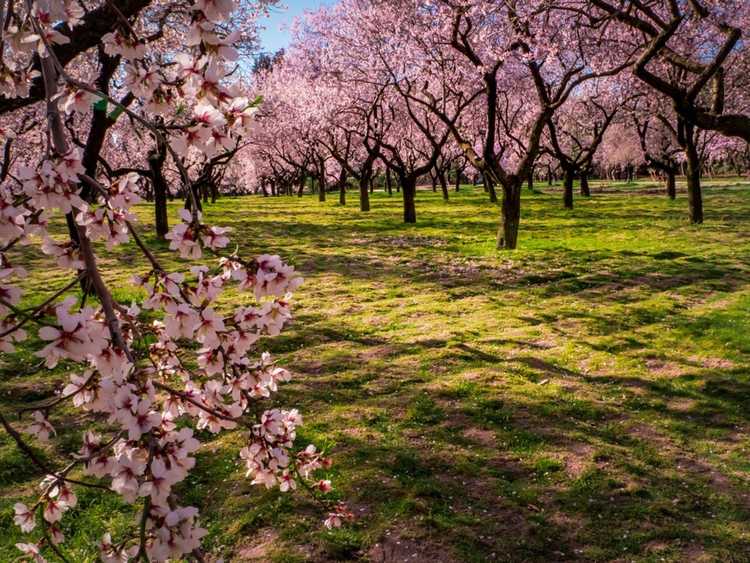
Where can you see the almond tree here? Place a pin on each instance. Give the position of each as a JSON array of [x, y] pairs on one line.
[[135, 366], [575, 133], [688, 52], [517, 49]]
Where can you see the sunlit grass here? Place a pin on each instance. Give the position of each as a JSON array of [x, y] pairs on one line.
[[584, 397]]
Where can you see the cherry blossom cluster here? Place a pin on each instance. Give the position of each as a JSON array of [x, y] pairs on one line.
[[154, 373]]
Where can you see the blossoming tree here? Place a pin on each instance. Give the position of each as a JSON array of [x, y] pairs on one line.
[[151, 371]]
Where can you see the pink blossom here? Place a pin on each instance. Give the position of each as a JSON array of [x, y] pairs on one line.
[[33, 551], [24, 518], [125, 472], [208, 327], [79, 101], [215, 10], [53, 510], [180, 321], [41, 428]]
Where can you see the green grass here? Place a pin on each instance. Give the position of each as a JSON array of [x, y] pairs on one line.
[[584, 398]]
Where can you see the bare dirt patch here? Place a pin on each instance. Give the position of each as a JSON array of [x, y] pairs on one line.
[[482, 437], [394, 548], [377, 352], [664, 368], [715, 363], [578, 457], [681, 405], [260, 549]]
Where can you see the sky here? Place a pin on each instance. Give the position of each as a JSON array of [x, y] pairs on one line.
[[275, 36]]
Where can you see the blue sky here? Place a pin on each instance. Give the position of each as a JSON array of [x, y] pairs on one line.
[[275, 36]]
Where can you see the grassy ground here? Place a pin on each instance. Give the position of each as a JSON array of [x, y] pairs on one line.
[[584, 398]]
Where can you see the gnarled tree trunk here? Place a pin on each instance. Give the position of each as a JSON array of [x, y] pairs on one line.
[[409, 191], [568, 189], [364, 190], [489, 186], [510, 215], [156, 160], [686, 139], [342, 187], [671, 184], [585, 189], [444, 185]]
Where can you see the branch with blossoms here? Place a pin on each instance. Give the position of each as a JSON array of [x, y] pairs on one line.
[[137, 366]]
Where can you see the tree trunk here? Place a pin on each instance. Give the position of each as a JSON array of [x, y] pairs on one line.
[[264, 189], [433, 179], [568, 189], [372, 185], [510, 215], [388, 182], [156, 159], [671, 184], [364, 191], [693, 173], [458, 178], [585, 190], [409, 190], [322, 187], [342, 190], [530, 180], [196, 197], [489, 186], [444, 185]]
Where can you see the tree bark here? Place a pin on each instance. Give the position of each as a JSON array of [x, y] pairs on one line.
[[568, 189], [444, 185], [196, 197], [409, 189], [686, 140], [388, 181], [695, 197], [530, 180], [458, 179], [489, 186], [671, 184], [510, 215], [342, 188], [364, 191], [322, 187], [585, 189]]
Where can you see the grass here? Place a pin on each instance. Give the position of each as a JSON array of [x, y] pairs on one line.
[[584, 398]]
